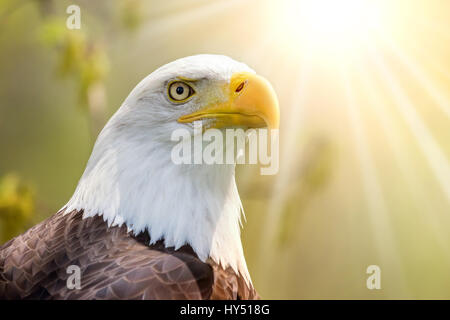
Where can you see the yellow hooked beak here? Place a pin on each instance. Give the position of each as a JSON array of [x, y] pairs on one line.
[[252, 103]]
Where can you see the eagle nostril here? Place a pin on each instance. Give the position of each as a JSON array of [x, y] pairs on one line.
[[240, 87]]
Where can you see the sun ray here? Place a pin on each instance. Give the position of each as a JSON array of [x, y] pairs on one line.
[[377, 209], [396, 146], [420, 76], [290, 129], [427, 60], [434, 156], [156, 27]]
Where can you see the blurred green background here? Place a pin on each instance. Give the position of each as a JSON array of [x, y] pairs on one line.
[[364, 176]]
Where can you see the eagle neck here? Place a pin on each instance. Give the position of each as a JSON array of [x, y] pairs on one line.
[[138, 185]]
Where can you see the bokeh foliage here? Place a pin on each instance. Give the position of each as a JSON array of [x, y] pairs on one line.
[[312, 230], [79, 55], [17, 206]]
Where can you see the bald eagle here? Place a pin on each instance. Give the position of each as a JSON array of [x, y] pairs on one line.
[[139, 226]]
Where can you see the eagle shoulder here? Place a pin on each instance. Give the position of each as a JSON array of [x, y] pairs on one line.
[[113, 265]]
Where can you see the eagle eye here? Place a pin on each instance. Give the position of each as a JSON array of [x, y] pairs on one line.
[[180, 91]]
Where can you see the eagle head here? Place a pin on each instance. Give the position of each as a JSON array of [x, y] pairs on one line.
[[131, 179]]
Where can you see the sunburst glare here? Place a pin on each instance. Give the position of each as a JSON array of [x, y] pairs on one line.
[[364, 95]]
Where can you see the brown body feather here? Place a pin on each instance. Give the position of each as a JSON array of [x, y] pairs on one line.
[[114, 265]]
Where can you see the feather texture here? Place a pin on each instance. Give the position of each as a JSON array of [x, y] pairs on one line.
[[114, 265]]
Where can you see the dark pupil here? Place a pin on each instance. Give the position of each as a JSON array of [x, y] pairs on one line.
[[180, 90]]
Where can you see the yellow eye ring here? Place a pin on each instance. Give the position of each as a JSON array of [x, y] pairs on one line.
[[179, 91]]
